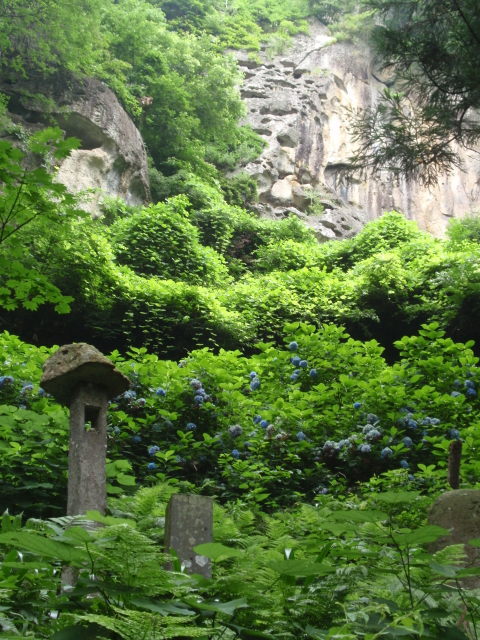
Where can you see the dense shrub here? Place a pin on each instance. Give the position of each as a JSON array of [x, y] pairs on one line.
[[161, 241]]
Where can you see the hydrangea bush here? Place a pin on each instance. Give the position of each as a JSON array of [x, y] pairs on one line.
[[316, 414]]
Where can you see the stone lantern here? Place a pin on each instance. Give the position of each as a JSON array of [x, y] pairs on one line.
[[83, 379]]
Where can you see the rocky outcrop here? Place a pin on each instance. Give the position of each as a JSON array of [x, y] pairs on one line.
[[298, 102], [111, 159]]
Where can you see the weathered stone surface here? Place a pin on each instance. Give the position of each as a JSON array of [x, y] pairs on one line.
[[299, 100], [87, 450], [79, 363], [111, 159], [189, 522], [459, 511]]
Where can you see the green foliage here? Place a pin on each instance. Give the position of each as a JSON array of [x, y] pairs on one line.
[[424, 44], [31, 204], [161, 241], [464, 230], [349, 566]]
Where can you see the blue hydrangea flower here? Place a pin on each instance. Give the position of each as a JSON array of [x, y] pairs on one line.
[[313, 373], [264, 424], [301, 436], [153, 450], [141, 402], [255, 384], [412, 424], [26, 388], [201, 392], [342, 443], [294, 377], [469, 384], [457, 383], [136, 438], [330, 445], [198, 399], [454, 434], [195, 383], [295, 361], [323, 491], [257, 419], [161, 392], [365, 448], [408, 442], [404, 464], [235, 430], [386, 452], [191, 426], [235, 453], [41, 392], [455, 394], [373, 434], [357, 405], [372, 418], [151, 466], [252, 374], [293, 346], [471, 393], [130, 394], [116, 430], [303, 364], [367, 428], [247, 444]]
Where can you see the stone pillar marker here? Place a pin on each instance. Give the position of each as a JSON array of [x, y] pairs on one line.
[[189, 521], [83, 379]]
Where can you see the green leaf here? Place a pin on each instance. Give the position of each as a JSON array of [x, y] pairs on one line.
[[359, 516], [422, 535], [301, 568], [44, 546], [397, 497], [217, 551]]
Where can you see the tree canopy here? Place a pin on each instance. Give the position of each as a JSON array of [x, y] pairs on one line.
[[432, 49]]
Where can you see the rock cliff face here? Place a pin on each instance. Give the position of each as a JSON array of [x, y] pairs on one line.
[[111, 158], [298, 102]]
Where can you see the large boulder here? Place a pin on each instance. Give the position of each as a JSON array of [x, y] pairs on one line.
[[111, 159]]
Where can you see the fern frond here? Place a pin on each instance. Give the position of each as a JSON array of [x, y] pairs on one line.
[[135, 625]]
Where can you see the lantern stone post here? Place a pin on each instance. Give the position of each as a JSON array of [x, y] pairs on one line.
[[83, 379]]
